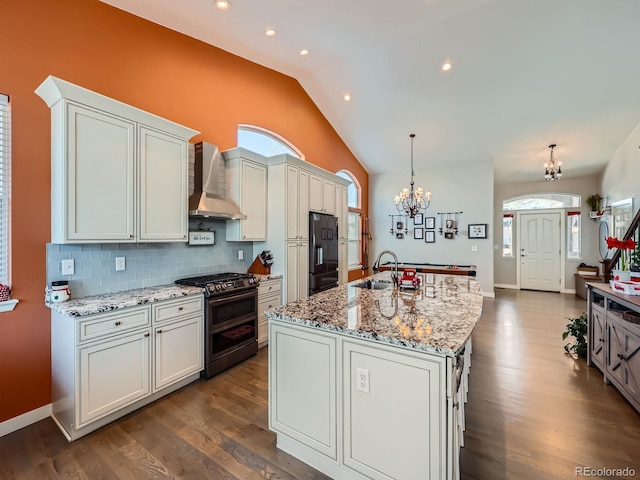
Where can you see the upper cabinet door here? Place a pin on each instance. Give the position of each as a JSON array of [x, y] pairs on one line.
[[99, 185], [315, 193], [254, 201], [328, 197], [163, 187]]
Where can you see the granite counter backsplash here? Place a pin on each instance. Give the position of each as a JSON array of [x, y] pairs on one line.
[[115, 301], [438, 317]]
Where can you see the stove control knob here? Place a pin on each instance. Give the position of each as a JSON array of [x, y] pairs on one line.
[[217, 288], [223, 286]]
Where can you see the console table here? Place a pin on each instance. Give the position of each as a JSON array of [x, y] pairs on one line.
[[614, 339]]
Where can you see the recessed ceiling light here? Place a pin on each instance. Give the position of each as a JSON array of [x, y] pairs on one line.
[[304, 52], [347, 97], [270, 32], [446, 67], [222, 4]]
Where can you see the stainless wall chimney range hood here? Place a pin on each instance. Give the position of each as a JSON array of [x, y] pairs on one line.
[[209, 197]]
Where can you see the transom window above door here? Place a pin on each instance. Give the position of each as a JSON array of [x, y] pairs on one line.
[[538, 201]]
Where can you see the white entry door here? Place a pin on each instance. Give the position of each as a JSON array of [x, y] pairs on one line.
[[540, 251]]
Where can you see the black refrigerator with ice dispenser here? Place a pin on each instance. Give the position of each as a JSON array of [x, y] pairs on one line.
[[323, 252]]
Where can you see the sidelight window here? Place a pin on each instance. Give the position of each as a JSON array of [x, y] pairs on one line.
[[5, 190], [354, 225]]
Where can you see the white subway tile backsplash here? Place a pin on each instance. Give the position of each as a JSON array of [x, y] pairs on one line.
[[147, 264]]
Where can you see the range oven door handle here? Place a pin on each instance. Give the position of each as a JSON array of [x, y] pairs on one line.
[[233, 298]]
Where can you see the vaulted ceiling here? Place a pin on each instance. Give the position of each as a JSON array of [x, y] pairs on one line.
[[525, 74]]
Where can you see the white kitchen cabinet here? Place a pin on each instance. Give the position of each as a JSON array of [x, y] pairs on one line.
[[247, 188], [118, 174], [102, 365], [113, 374], [178, 350], [269, 296], [321, 194], [303, 386], [416, 423], [339, 403], [297, 273], [296, 204], [288, 228], [163, 186]]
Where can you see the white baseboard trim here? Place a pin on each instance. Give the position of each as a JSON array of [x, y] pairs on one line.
[[489, 294], [570, 290], [24, 420], [502, 285]]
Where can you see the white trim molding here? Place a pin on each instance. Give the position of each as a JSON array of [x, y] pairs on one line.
[[8, 305], [24, 420], [504, 285]]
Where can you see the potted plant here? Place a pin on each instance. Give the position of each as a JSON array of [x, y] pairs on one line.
[[577, 328], [594, 202]]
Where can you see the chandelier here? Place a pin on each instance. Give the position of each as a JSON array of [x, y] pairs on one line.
[[552, 171], [411, 201]]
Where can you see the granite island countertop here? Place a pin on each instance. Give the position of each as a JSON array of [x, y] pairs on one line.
[[437, 318], [130, 298]]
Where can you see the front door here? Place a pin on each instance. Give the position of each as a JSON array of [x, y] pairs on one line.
[[540, 251]]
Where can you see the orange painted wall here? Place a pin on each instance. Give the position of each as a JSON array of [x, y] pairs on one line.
[[137, 62]]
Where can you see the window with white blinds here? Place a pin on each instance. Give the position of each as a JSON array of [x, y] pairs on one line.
[[5, 188]]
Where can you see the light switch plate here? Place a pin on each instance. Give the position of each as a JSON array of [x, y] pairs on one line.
[[67, 266]]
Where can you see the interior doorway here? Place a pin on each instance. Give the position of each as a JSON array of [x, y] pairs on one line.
[[540, 251]]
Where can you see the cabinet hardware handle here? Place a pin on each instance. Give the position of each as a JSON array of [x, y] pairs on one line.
[[130, 236], [180, 309], [601, 339], [146, 334], [270, 306], [270, 288], [620, 356], [159, 331], [118, 324]]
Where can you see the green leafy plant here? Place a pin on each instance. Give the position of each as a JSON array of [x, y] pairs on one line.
[[577, 328], [594, 201]]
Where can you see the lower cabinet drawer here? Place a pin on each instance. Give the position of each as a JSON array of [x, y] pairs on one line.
[[268, 287], [175, 308], [101, 325], [267, 303]]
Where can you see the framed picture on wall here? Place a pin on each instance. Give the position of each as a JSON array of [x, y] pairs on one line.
[[430, 222], [429, 236], [478, 230], [418, 219], [418, 233]]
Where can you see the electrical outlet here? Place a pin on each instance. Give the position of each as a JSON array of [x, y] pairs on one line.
[[67, 267], [240, 254], [362, 379], [120, 264]]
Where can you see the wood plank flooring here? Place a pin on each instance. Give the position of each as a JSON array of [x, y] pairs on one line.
[[533, 413]]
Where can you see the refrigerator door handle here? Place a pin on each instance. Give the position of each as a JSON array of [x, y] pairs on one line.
[[319, 259]]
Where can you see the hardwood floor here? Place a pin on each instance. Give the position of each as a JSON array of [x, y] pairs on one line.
[[533, 413]]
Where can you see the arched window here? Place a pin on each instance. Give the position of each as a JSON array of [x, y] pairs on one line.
[[354, 223], [264, 142], [353, 190]]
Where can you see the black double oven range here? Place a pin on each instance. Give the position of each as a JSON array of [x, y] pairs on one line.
[[230, 318]]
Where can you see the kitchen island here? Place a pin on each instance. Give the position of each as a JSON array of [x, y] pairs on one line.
[[371, 383]]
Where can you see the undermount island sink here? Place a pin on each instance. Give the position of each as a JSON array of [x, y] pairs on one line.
[[373, 285]]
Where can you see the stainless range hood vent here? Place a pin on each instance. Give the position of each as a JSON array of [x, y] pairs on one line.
[[209, 197]]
